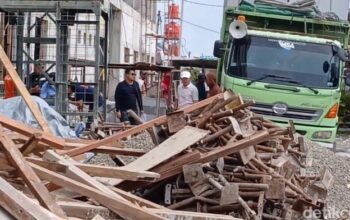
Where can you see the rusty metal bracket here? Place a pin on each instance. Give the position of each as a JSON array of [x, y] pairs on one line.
[[193, 173], [176, 121]]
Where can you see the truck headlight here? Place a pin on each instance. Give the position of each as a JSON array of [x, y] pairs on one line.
[[322, 135]]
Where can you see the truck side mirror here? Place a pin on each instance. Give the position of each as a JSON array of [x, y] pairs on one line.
[[341, 53], [218, 49]]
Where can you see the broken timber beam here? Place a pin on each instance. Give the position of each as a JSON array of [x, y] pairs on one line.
[[77, 174], [29, 176], [228, 149], [31, 144], [20, 206], [23, 91], [178, 215], [84, 210], [137, 129], [25, 130], [120, 206], [97, 170], [116, 150], [169, 148]]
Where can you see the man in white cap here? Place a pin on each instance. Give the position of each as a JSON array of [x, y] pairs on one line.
[[187, 92]]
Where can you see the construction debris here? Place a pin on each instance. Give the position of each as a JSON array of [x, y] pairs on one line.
[[21, 88], [217, 161]]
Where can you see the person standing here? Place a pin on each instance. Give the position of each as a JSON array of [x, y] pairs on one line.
[[128, 96], [142, 81], [84, 95], [35, 79], [187, 92], [214, 88], [200, 84]]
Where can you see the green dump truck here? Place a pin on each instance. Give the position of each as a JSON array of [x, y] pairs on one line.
[[291, 64]]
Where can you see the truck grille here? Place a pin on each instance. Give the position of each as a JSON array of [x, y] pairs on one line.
[[292, 113]]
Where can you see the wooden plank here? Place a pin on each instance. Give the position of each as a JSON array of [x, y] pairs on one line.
[[98, 217], [117, 205], [234, 147], [179, 161], [154, 135], [138, 129], [5, 215], [29, 176], [96, 170], [110, 150], [29, 131], [77, 174], [56, 167], [20, 206], [230, 148], [74, 172], [121, 172], [29, 146], [165, 169], [4, 164], [85, 141], [119, 152], [169, 148], [21, 88], [179, 215], [83, 210]]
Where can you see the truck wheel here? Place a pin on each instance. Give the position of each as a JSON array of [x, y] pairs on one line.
[[335, 147]]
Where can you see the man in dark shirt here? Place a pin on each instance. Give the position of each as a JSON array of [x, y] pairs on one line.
[[35, 77], [84, 95], [128, 96]]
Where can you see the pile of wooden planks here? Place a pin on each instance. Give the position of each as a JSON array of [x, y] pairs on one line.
[[104, 129], [212, 160], [246, 166]]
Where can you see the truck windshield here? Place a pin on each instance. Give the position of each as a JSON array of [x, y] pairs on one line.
[[299, 61]]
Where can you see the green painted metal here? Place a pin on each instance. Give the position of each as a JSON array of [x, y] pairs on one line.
[[297, 29]]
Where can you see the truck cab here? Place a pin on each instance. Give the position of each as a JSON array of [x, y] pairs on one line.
[[291, 66]]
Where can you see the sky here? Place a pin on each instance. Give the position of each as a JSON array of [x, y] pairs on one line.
[[199, 41]]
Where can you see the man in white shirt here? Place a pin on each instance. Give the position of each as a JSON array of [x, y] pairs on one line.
[[187, 92]]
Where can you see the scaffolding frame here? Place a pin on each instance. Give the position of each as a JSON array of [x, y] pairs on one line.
[[62, 13]]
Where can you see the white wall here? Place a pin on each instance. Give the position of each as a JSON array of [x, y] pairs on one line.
[[82, 42], [78, 48], [125, 32]]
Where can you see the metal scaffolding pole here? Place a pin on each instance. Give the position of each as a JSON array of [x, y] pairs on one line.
[[62, 17]]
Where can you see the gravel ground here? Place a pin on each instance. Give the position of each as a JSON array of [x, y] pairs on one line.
[[339, 166], [142, 141], [343, 143]]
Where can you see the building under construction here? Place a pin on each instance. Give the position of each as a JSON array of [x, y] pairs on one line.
[[75, 41]]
